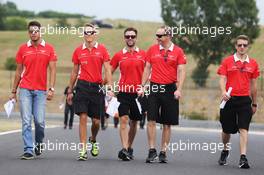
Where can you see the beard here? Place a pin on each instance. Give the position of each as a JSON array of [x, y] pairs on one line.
[[130, 44]]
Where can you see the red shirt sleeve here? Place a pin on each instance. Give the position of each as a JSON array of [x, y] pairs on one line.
[[53, 56], [148, 55], [256, 72], [222, 70], [181, 57], [115, 61], [106, 56], [75, 59], [19, 58]]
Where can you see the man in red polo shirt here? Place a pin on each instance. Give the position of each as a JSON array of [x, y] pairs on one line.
[[88, 60], [131, 62], [33, 59], [166, 65], [239, 72]]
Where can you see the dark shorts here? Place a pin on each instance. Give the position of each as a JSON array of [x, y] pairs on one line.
[[162, 105], [128, 106], [89, 99], [236, 114]]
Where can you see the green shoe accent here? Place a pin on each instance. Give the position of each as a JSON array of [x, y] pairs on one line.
[[83, 156], [95, 149]]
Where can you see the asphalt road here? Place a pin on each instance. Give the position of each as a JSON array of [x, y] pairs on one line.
[[181, 162]]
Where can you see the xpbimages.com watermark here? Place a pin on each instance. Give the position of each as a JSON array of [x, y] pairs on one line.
[[211, 31], [65, 146], [187, 145]]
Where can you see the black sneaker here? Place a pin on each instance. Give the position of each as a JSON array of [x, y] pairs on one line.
[[243, 162], [223, 157], [38, 149], [123, 155], [130, 152], [27, 156], [152, 156], [162, 157]]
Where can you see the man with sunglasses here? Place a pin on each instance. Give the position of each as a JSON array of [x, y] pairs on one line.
[[89, 59], [131, 62], [166, 65], [239, 72], [33, 58]]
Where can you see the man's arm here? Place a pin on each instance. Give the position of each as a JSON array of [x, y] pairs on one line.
[[17, 79], [52, 71], [222, 84], [108, 73], [254, 94], [146, 74]]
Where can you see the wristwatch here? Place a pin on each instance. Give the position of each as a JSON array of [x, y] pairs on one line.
[[51, 89], [254, 105]]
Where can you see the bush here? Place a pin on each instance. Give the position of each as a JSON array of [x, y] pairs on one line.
[[15, 23], [10, 64]]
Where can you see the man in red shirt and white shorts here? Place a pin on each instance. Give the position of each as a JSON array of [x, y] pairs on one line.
[[240, 73]]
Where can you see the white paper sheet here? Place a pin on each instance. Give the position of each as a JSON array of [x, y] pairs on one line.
[[113, 105], [222, 105], [9, 106]]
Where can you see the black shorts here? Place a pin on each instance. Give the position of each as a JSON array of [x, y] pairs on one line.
[[128, 105], [144, 103], [236, 114], [89, 99], [163, 107]]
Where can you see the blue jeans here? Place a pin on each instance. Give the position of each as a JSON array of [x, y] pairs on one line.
[[32, 104]]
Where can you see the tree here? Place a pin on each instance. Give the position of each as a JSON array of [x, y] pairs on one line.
[[2, 16], [209, 27]]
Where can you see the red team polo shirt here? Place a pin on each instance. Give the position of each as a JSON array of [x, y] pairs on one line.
[[131, 66], [164, 70], [35, 61], [90, 62], [238, 74]]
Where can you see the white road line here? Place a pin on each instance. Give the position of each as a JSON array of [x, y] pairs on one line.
[[196, 129], [19, 130]]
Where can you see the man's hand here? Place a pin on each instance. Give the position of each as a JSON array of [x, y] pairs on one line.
[[254, 109], [225, 97], [141, 91], [50, 95], [177, 94], [69, 98], [13, 96]]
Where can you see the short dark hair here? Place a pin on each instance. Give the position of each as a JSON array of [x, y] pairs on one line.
[[130, 29], [242, 37], [34, 23], [167, 29]]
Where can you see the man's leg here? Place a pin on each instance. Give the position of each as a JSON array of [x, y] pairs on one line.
[[151, 132], [39, 107], [166, 134], [66, 113], [123, 131], [83, 130], [25, 99], [132, 132], [95, 128], [225, 139], [71, 116]]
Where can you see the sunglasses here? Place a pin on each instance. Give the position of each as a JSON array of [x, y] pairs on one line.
[[130, 36], [33, 31], [244, 45], [89, 32], [160, 35]]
